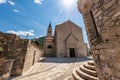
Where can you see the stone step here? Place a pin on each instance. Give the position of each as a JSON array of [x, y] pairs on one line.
[[91, 63], [85, 76], [88, 71], [76, 76], [89, 67]]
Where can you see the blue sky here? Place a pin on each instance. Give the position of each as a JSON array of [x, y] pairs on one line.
[[33, 16]]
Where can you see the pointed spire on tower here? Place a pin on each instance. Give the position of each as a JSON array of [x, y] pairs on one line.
[[49, 31], [49, 25]]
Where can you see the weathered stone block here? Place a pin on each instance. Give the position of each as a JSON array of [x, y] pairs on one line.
[[98, 13], [109, 4]]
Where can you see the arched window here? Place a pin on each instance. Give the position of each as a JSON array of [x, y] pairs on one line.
[[49, 47]]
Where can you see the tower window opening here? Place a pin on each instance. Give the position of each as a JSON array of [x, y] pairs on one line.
[[49, 31], [49, 47]]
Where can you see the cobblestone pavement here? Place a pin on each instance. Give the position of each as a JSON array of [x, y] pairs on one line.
[[53, 69]]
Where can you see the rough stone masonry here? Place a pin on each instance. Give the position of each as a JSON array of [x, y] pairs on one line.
[[16, 55], [102, 22]]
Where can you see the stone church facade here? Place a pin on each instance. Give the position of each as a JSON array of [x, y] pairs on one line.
[[67, 41]]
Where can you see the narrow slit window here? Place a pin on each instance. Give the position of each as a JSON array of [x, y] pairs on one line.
[[95, 27]]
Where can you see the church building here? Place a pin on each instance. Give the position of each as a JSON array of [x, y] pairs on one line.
[[67, 41]]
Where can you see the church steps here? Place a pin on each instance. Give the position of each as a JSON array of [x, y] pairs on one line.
[[91, 63], [76, 76], [89, 67], [85, 72], [85, 75], [88, 71]]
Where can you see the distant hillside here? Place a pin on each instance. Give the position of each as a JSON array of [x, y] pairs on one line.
[[40, 41]]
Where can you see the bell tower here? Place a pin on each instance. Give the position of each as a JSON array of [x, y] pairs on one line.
[[49, 32], [49, 43]]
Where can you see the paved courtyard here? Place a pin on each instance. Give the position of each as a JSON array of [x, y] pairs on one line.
[[53, 69]]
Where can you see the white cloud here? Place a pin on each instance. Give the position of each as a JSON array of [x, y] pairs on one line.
[[7, 1], [11, 2], [17, 11], [22, 33], [38, 1], [2, 1], [39, 36]]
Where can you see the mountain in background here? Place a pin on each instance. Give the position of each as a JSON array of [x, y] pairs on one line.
[[40, 41]]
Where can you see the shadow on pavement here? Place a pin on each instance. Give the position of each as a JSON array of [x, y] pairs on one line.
[[64, 60]]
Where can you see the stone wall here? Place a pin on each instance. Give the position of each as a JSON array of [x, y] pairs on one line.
[[33, 55], [103, 29], [13, 47]]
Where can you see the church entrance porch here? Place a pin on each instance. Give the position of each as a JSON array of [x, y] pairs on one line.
[[72, 52]]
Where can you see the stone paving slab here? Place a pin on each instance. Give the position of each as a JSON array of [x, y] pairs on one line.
[[53, 69]]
